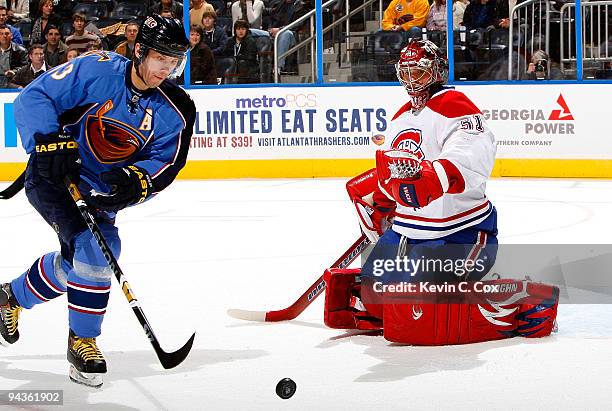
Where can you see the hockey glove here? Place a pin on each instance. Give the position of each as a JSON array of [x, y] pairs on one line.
[[57, 156], [374, 209], [408, 180], [130, 185]]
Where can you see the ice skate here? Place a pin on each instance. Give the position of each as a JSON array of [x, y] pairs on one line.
[[86, 361], [9, 316]]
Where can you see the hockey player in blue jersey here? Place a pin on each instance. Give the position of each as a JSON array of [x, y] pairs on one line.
[[120, 129]]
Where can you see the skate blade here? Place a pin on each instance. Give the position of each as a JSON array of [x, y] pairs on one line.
[[88, 379], [4, 343]]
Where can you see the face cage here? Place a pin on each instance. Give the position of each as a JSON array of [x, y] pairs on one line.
[[411, 85], [178, 70]]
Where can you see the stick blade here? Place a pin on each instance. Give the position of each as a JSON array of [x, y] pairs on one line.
[[247, 315], [172, 359]]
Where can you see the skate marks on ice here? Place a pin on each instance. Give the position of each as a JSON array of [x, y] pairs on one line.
[[134, 378]]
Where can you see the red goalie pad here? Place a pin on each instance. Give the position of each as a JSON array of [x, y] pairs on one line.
[[343, 307], [522, 308]]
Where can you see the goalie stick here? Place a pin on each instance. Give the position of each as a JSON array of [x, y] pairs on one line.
[[14, 188], [308, 297], [167, 359]]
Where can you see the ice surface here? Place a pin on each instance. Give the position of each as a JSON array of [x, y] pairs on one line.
[[203, 247]]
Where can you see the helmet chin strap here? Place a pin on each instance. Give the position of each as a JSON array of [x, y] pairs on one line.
[[137, 63], [419, 99]]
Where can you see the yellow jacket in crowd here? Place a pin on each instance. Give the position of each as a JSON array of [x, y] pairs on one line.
[[405, 13]]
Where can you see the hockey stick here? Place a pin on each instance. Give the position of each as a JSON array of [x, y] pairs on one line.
[[14, 188], [167, 359], [308, 297]]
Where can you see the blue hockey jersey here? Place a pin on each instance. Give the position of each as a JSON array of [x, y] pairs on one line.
[[92, 98]]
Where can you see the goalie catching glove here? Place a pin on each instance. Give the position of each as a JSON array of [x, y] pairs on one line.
[[130, 185], [413, 182], [374, 209]]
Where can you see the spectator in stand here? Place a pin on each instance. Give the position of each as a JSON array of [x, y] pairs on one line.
[[248, 10], [14, 32], [63, 8], [80, 38], [17, 9], [174, 6], [213, 35], [244, 50], [12, 56], [198, 7], [26, 74], [480, 14], [45, 19], [281, 13], [503, 12], [94, 45], [126, 48], [72, 53], [541, 67], [55, 49], [406, 15], [203, 70], [167, 13], [436, 20]]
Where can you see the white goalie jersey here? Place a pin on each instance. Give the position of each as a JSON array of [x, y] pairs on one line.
[[449, 127]]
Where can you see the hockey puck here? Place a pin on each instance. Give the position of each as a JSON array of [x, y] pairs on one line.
[[286, 388]]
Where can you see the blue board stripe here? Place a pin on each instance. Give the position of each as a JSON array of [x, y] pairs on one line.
[[10, 130]]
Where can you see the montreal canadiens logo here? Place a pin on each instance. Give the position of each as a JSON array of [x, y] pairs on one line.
[[409, 140]]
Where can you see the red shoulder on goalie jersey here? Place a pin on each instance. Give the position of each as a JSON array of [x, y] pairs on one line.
[[426, 199]]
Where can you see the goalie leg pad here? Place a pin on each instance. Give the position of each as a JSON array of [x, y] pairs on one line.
[[532, 314], [343, 307]]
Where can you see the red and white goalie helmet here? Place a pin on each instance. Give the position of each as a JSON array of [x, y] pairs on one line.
[[421, 65]]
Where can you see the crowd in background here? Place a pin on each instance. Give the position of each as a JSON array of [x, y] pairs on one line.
[[232, 41], [229, 40]]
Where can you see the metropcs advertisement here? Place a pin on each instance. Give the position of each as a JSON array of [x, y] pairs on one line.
[[535, 121]]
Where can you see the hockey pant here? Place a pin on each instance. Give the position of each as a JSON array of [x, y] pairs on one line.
[[79, 269]]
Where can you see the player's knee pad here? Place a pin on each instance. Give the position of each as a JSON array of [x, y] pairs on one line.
[[89, 261], [517, 308], [343, 307]]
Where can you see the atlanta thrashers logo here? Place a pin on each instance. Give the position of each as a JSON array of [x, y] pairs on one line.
[[110, 140], [409, 140]]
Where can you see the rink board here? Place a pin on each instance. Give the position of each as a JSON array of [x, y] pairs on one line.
[[547, 130]]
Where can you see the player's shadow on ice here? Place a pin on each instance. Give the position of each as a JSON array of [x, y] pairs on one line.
[[399, 361], [125, 369]]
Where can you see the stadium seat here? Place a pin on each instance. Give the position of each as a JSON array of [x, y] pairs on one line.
[[25, 28], [126, 11], [66, 29], [93, 11], [265, 55], [226, 24]]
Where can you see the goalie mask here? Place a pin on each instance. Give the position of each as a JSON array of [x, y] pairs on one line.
[[167, 37], [421, 65]]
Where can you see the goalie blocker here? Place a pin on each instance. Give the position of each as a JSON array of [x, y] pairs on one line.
[[529, 310]]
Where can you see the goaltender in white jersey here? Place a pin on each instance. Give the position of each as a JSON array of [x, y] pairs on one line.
[[450, 127]]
